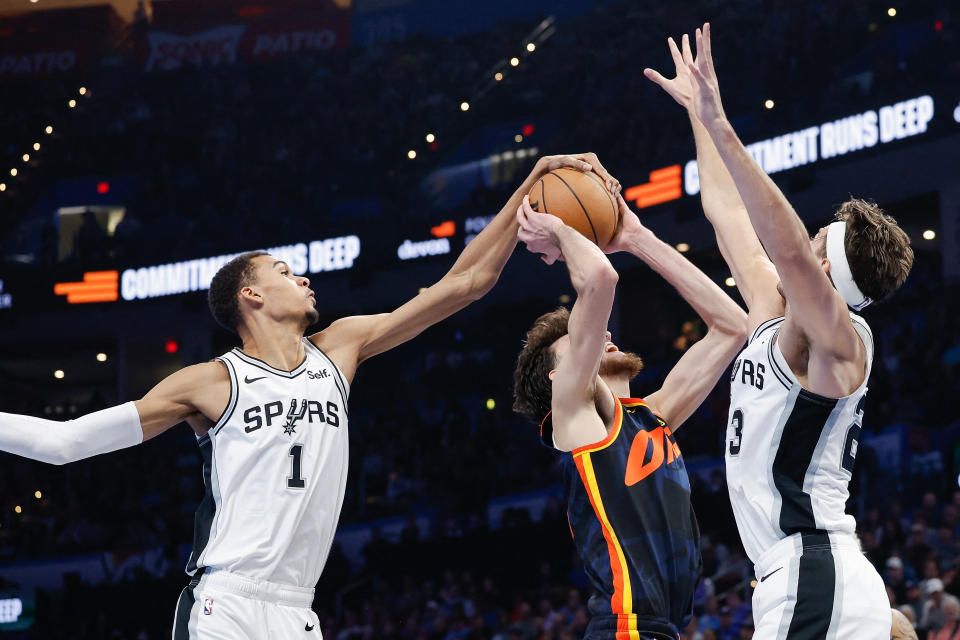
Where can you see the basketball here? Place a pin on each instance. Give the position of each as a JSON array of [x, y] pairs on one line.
[[579, 199]]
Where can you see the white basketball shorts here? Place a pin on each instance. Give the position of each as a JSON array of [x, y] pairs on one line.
[[226, 606], [819, 586]]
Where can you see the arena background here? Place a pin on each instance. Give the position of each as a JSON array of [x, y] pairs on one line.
[[367, 141]]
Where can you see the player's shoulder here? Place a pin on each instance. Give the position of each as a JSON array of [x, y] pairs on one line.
[[202, 374]]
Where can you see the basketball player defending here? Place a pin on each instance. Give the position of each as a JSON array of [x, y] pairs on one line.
[[798, 388], [271, 421], [629, 498]]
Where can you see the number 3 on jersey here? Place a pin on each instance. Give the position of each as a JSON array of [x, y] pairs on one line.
[[736, 423]]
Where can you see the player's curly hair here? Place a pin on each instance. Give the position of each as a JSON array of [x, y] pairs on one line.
[[878, 250], [225, 286], [532, 388]]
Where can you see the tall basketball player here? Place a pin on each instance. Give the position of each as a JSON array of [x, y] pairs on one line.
[[271, 421], [798, 388], [629, 496]]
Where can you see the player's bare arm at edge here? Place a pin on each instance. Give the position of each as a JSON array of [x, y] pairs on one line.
[[196, 394], [576, 421], [818, 314], [900, 628], [752, 269], [350, 341], [696, 373]]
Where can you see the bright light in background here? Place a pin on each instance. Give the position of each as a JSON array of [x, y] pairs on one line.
[[518, 138], [929, 234], [498, 76], [26, 157], [17, 509], [891, 12], [103, 187], [36, 146], [37, 494], [101, 357], [13, 171], [72, 103], [3, 186], [683, 247], [531, 47], [431, 137], [411, 154], [491, 404], [172, 346], [730, 282], [564, 299], [768, 103], [464, 106], [49, 129], [58, 374], [514, 62], [83, 91]]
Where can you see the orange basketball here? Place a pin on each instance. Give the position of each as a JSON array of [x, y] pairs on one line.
[[579, 199]]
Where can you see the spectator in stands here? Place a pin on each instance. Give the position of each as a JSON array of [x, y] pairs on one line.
[[950, 629], [933, 616]]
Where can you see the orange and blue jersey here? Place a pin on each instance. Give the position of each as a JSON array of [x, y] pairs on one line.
[[634, 528]]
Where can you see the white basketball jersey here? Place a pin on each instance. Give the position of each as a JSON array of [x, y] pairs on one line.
[[275, 469], [789, 452]]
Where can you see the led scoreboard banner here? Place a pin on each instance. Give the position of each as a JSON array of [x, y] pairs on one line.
[[803, 147]]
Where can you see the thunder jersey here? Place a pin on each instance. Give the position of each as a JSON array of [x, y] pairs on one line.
[[789, 452], [634, 528], [275, 469]]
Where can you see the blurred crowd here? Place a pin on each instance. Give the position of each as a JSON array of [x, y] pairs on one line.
[[218, 156]]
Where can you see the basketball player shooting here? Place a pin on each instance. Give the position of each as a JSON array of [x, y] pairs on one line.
[[271, 421], [629, 498], [798, 388]]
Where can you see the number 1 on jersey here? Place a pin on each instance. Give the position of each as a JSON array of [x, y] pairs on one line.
[[295, 480]]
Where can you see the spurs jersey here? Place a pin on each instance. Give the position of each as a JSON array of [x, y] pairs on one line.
[[275, 469], [789, 452]]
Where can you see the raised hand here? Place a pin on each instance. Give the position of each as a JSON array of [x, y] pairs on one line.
[[706, 91], [585, 162], [680, 88], [538, 232]]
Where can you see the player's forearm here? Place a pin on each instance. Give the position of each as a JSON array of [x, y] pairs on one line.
[[57, 442], [588, 266], [715, 307], [777, 225], [718, 192], [484, 258]]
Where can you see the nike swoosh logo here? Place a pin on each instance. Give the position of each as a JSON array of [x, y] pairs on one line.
[[309, 627], [770, 574], [248, 379]]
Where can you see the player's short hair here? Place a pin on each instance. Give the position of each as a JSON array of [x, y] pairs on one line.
[[225, 286], [532, 388], [877, 249]]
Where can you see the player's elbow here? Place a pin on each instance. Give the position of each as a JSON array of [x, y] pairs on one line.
[[599, 280], [732, 325]]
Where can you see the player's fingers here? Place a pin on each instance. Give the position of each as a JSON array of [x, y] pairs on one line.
[[687, 53], [675, 53], [654, 76], [707, 47]]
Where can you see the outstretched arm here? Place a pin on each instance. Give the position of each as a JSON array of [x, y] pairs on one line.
[[576, 422], [692, 378], [350, 341], [755, 275], [196, 394], [818, 311]]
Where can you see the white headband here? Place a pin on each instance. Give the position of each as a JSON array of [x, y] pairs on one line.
[[840, 268]]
